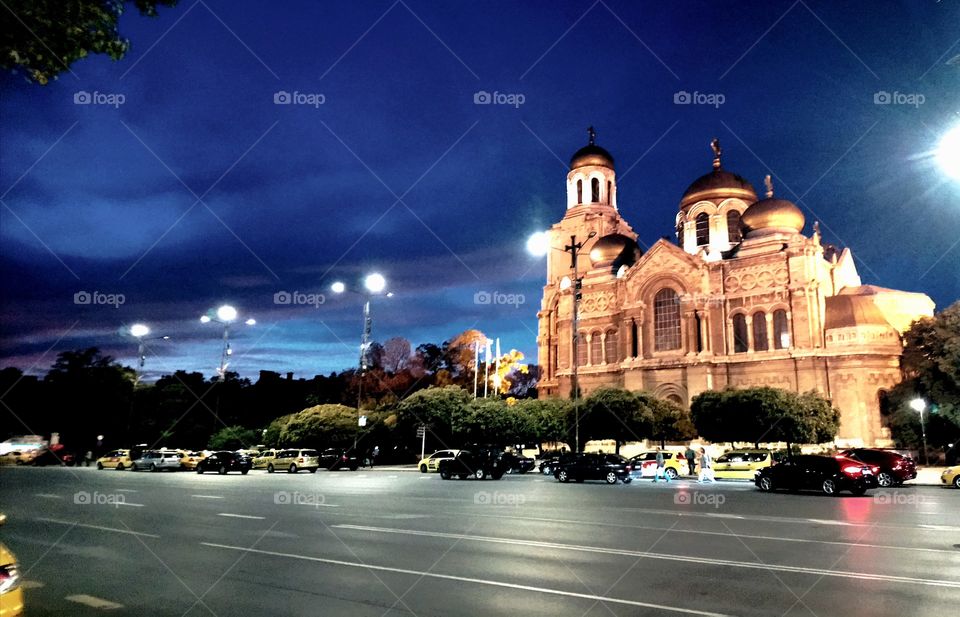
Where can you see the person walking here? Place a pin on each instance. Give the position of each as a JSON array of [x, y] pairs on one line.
[[373, 455], [691, 457], [661, 468], [706, 467]]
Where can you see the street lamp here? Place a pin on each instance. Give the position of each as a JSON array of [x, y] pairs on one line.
[[225, 315], [919, 405], [374, 284], [948, 152], [140, 332], [539, 245]]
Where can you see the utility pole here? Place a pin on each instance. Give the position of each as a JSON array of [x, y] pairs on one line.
[[574, 249]]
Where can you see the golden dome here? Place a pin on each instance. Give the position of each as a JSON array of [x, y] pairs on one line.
[[718, 184], [614, 249], [591, 154], [772, 215]]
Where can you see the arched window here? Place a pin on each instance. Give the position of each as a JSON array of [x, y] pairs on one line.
[[781, 330], [609, 192], [733, 226], [634, 340], [740, 343], [703, 229], [611, 353], [666, 320], [760, 332], [595, 191], [596, 349], [579, 191], [582, 349]]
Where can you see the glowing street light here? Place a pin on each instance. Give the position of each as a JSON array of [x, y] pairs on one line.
[[225, 315], [338, 287], [538, 244], [138, 330], [375, 283], [948, 153]]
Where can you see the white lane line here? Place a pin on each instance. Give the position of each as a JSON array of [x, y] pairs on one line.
[[228, 515], [126, 490], [866, 576], [392, 476], [100, 527], [207, 496], [464, 579], [94, 602], [721, 533], [128, 504], [48, 496], [31, 584]]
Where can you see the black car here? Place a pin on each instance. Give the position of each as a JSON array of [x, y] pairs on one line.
[[517, 464], [334, 459], [593, 466], [830, 474], [222, 462], [480, 464]]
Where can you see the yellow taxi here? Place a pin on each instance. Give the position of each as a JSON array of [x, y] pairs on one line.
[[264, 458], [190, 458], [115, 459], [11, 593], [741, 464], [430, 463], [14, 457], [951, 475], [645, 464]]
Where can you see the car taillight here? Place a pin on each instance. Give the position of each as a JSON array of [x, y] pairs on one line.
[[852, 470], [343, 458], [875, 469], [629, 467]]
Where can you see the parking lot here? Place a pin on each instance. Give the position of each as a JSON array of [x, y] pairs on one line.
[[389, 542]]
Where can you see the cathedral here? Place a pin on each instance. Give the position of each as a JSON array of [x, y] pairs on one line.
[[742, 298]]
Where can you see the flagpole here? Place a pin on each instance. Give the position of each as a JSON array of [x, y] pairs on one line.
[[486, 367], [476, 366], [497, 369]]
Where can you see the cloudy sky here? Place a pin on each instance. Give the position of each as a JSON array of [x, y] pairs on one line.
[[172, 181]]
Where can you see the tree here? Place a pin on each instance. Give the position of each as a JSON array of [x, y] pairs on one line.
[[671, 422], [485, 421], [546, 420], [435, 408], [614, 413], [233, 438], [42, 38], [396, 355], [320, 426]]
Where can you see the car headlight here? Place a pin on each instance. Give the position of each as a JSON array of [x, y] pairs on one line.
[[9, 577]]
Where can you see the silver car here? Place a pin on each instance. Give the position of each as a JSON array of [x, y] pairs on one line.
[[157, 460]]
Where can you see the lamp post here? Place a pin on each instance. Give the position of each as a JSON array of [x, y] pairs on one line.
[[140, 332], [374, 284], [224, 315], [539, 244], [919, 405]]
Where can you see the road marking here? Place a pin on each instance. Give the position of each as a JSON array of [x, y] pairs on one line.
[[464, 579], [48, 496], [126, 490], [207, 496], [31, 584], [256, 518], [391, 476], [101, 528], [866, 576], [94, 602], [127, 503], [721, 533]]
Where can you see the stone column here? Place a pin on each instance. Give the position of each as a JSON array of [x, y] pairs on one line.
[[769, 331], [749, 319]]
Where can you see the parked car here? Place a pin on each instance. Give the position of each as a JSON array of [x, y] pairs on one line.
[[157, 460], [741, 464], [294, 460], [594, 466], [224, 461], [645, 464], [13, 457], [894, 468], [266, 457], [190, 458], [56, 454], [549, 464], [516, 463], [480, 464], [334, 459], [951, 475], [830, 474], [432, 462], [115, 459], [11, 593]]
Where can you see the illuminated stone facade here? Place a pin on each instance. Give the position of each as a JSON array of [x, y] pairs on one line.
[[744, 298]]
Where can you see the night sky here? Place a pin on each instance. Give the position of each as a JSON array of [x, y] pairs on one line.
[[199, 189]]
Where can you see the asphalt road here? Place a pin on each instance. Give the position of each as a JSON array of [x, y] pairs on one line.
[[387, 543]]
